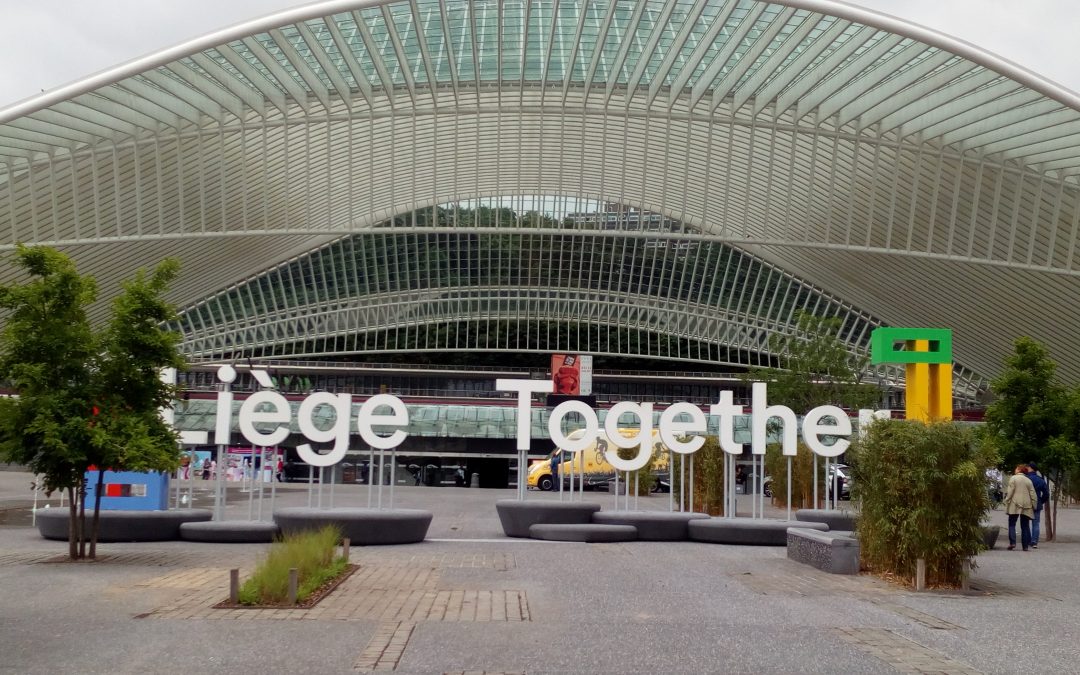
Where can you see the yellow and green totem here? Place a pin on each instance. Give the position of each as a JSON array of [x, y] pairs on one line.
[[927, 353]]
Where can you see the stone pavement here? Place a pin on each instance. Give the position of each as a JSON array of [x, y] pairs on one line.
[[471, 601]]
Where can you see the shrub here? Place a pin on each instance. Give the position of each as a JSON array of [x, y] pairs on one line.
[[922, 492], [311, 553], [646, 475], [708, 478], [802, 476]]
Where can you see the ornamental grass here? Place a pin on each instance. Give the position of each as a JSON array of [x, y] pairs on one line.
[[312, 553], [922, 494]]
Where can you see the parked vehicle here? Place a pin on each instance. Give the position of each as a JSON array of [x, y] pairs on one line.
[[597, 473]]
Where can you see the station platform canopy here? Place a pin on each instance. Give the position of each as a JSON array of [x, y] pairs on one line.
[[891, 174]]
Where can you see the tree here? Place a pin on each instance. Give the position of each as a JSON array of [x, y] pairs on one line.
[[820, 371], [85, 398], [1034, 418], [819, 368], [45, 355]]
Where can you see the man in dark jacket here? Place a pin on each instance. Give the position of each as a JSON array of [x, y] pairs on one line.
[[1042, 490]]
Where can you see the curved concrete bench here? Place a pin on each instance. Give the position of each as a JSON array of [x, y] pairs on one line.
[[836, 520], [757, 531], [363, 527], [229, 532], [651, 525], [116, 526], [590, 533], [517, 516], [832, 552]]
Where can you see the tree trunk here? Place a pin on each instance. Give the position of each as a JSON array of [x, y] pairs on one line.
[[73, 522], [97, 512], [82, 519]]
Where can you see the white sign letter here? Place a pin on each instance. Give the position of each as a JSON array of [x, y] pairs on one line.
[[339, 432], [670, 429], [727, 411], [592, 426], [366, 418], [279, 414], [525, 390], [812, 428], [760, 415], [642, 439]]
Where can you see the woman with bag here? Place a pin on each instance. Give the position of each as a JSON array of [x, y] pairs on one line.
[[1020, 502]]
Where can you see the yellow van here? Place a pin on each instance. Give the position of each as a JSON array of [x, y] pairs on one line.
[[598, 473]]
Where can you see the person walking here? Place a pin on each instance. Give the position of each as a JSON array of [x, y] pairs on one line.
[[1020, 502], [1042, 491]]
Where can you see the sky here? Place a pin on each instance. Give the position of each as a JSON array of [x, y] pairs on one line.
[[48, 43]]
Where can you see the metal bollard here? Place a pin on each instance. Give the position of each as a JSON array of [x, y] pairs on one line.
[[293, 583], [234, 586]]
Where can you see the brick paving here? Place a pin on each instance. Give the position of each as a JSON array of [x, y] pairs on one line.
[[903, 654], [386, 647], [372, 593]]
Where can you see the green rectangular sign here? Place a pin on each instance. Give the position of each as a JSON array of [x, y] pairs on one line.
[[888, 345]]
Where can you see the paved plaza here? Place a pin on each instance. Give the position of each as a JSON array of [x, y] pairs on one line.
[[470, 600]]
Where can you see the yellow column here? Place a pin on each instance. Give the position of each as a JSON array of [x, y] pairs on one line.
[[917, 394]]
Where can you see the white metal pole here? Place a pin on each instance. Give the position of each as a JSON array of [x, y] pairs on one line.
[[310, 485], [251, 486], [33, 510], [788, 487], [691, 509], [273, 483], [637, 475], [333, 480], [815, 460], [371, 473], [682, 483], [393, 476], [616, 489], [671, 483], [382, 471]]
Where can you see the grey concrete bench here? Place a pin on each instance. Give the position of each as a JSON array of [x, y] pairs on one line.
[[229, 531], [755, 531], [836, 520], [651, 525], [517, 517], [116, 526], [363, 527], [832, 552], [589, 532]]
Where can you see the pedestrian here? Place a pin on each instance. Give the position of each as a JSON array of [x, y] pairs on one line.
[[279, 470], [1020, 502], [206, 469], [1042, 491]]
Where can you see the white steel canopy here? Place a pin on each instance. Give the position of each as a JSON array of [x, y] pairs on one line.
[[912, 175]]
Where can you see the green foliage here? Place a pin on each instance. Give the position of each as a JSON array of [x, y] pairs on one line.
[[646, 475], [819, 369], [708, 478], [922, 490], [1030, 409], [311, 553], [84, 397], [46, 353], [802, 476]]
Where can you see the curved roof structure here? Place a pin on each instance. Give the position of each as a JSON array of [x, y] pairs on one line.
[[910, 176]]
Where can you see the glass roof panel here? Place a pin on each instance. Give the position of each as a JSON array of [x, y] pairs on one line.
[[242, 50], [590, 34], [408, 36], [275, 51], [617, 31], [297, 42], [459, 22], [350, 33], [382, 45], [513, 28], [322, 35], [538, 31], [564, 29], [432, 25]]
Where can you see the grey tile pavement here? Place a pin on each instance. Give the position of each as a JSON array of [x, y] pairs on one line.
[[607, 608]]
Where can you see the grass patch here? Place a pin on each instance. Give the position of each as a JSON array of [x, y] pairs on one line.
[[311, 553]]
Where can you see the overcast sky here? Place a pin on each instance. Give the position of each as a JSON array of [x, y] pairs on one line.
[[48, 43]]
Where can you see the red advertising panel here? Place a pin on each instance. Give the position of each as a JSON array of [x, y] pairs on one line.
[[571, 374]]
